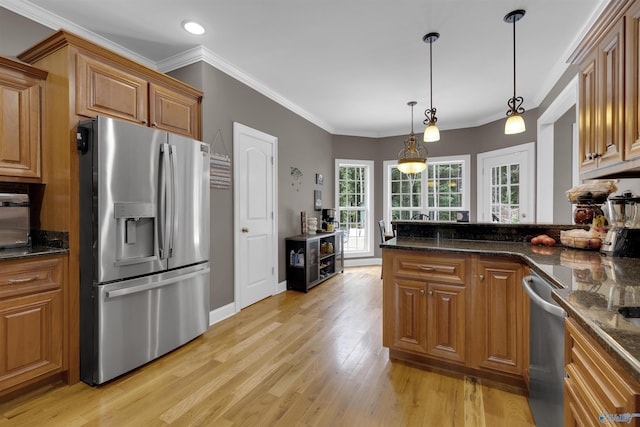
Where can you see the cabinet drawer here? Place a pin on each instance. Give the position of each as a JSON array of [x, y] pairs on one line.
[[25, 276], [599, 380], [448, 269]]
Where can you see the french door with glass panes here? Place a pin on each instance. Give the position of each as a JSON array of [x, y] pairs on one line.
[[505, 185]]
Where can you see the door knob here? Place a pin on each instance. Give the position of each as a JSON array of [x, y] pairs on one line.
[[245, 230], [481, 277]]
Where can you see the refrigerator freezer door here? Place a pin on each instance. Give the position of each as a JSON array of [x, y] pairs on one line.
[[190, 170], [127, 160], [141, 319]]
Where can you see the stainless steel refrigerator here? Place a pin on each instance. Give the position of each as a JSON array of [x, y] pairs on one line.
[[144, 245]]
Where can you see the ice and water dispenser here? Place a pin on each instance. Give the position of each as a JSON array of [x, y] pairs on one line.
[[135, 230]]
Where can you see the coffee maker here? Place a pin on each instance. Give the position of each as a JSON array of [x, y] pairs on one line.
[[329, 222], [623, 237]]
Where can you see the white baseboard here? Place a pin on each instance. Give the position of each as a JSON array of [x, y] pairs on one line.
[[219, 314], [360, 262], [282, 286]]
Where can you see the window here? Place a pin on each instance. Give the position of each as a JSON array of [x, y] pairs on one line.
[[438, 193], [354, 199]]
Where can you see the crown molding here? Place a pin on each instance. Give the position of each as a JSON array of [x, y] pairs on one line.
[[55, 22], [201, 53]]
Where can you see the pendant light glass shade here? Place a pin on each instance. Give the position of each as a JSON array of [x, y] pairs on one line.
[[412, 159], [431, 132], [515, 122]]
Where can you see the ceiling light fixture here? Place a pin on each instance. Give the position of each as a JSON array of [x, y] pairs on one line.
[[412, 159], [431, 132], [193, 27], [515, 122]]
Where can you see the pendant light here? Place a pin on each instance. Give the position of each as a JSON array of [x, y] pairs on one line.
[[515, 122], [431, 132], [412, 159]]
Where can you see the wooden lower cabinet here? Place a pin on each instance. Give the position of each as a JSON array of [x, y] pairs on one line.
[[477, 323], [446, 314], [596, 388], [499, 302], [429, 319], [32, 321]]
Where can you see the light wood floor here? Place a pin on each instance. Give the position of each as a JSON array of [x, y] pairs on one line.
[[293, 359]]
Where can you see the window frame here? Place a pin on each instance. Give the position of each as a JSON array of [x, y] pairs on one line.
[[464, 159], [368, 204]]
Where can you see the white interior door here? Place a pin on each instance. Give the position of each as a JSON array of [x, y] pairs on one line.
[[254, 156], [506, 185]]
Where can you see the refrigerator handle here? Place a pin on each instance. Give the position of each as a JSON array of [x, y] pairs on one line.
[[163, 221], [172, 196]]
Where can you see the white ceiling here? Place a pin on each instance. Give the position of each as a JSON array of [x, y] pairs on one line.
[[349, 66]]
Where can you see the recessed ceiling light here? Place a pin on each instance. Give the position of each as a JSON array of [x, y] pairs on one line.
[[193, 27]]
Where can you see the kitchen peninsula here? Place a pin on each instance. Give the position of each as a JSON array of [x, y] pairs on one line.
[[488, 262]]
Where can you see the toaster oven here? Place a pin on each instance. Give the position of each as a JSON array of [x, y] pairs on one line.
[[14, 220]]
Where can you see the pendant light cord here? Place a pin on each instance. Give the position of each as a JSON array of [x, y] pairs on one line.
[[514, 58], [431, 75]]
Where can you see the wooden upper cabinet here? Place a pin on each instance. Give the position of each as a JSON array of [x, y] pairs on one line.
[[601, 107], [174, 111], [632, 137], [21, 93], [105, 90], [611, 113], [499, 316], [588, 114], [609, 93]]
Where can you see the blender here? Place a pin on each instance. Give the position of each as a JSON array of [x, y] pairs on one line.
[[623, 237]]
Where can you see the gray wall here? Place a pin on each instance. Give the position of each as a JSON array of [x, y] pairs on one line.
[[300, 144], [562, 175], [452, 142]]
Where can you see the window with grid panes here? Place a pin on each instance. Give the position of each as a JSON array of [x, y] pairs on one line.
[[354, 199], [438, 193]]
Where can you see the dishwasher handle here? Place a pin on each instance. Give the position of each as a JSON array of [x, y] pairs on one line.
[[538, 300]]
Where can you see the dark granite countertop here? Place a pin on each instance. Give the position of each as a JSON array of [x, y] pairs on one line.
[[29, 252], [44, 243], [590, 287]]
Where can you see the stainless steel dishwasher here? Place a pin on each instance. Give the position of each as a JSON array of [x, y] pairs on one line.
[[546, 353]]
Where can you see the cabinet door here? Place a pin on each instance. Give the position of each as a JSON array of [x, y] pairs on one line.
[[106, 90], [632, 41], [174, 111], [31, 337], [445, 321], [611, 83], [313, 261], [588, 113], [20, 98], [498, 316], [407, 328]]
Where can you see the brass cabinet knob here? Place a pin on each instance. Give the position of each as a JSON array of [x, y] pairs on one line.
[[245, 230]]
